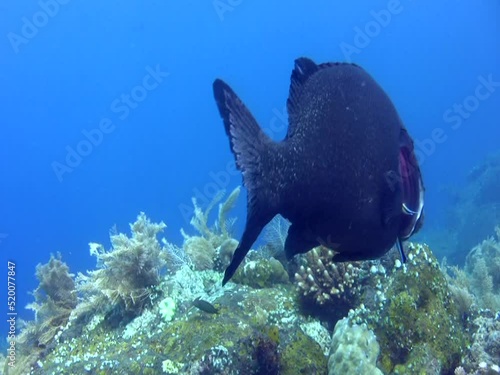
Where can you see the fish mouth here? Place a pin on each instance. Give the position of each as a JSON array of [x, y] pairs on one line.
[[412, 188]]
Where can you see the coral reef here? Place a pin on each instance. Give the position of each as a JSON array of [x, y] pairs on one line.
[[410, 307], [476, 290], [124, 281], [256, 332], [482, 265], [261, 273], [459, 286], [213, 247], [303, 355], [473, 211], [483, 355], [422, 315], [137, 312], [329, 289], [200, 251], [55, 299]]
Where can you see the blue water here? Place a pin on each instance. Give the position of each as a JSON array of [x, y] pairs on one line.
[[65, 78]]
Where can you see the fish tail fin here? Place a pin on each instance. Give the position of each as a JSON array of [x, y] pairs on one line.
[[252, 149]]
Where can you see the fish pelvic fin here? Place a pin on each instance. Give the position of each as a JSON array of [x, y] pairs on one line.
[[401, 249], [298, 241]]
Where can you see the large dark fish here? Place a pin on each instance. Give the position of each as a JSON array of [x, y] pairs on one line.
[[345, 175]]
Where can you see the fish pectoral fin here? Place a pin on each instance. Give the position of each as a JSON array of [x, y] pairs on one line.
[[298, 241], [391, 204], [412, 187], [348, 257], [389, 214]]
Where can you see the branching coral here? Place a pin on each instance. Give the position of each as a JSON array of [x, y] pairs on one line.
[[209, 250], [127, 272], [333, 286], [223, 225]]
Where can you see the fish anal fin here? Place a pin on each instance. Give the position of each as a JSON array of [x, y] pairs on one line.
[[391, 202], [258, 216]]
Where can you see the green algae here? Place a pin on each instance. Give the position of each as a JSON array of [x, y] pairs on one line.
[[261, 273], [234, 335], [303, 356], [420, 324]]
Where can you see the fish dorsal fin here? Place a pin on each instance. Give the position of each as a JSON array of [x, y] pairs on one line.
[[303, 69]]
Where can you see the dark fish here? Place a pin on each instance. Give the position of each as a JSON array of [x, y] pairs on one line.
[[345, 175], [205, 306]]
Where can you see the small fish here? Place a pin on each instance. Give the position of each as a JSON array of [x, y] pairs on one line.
[[345, 175], [205, 306]]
